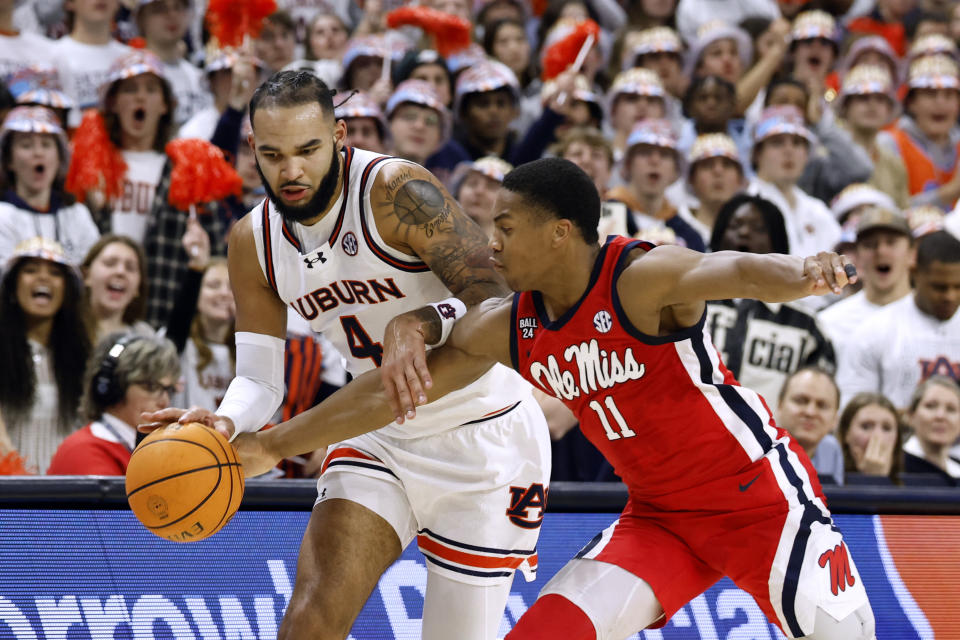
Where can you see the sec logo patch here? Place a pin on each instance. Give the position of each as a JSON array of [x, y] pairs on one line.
[[350, 244], [602, 321]]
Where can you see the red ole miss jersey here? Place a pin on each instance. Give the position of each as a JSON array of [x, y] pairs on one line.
[[663, 410]]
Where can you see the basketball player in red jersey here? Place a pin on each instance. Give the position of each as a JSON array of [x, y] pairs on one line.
[[616, 332]]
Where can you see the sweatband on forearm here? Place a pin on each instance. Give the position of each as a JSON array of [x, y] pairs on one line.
[[449, 311], [257, 390]]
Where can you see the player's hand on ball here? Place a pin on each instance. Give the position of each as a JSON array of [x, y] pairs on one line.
[[828, 272], [253, 455], [150, 421]]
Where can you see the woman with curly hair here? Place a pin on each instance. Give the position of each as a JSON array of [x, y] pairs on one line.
[[43, 351]]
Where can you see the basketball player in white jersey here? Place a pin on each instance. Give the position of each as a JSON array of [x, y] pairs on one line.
[[349, 239]]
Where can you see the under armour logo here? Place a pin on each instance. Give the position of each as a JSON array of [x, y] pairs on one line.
[[447, 311], [841, 575], [307, 260], [602, 321]]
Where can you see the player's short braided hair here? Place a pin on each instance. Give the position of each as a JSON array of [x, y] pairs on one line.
[[291, 89], [561, 189]]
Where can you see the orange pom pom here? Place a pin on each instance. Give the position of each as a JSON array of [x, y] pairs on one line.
[[562, 54], [450, 33], [230, 20], [137, 42], [12, 464], [200, 173], [96, 163]]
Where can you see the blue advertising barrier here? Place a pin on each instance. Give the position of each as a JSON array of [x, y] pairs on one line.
[[99, 575]]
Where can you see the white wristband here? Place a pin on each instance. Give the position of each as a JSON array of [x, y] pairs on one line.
[[449, 310]]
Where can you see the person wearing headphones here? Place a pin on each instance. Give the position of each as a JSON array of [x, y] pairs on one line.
[[127, 374]]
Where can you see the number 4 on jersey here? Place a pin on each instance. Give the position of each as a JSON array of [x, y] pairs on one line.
[[625, 431], [360, 343]]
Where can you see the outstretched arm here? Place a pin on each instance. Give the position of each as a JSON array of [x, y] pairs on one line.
[[672, 275], [478, 341]]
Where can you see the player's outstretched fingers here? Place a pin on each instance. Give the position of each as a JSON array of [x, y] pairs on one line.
[[198, 414], [152, 420], [813, 272]]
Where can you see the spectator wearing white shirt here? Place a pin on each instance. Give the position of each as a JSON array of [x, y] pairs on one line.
[[781, 148], [85, 56], [163, 24], [33, 148], [885, 255], [914, 338], [19, 49]]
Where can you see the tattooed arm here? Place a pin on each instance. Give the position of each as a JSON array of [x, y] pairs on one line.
[[415, 215]]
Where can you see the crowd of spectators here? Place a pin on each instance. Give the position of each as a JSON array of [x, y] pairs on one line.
[[750, 125]]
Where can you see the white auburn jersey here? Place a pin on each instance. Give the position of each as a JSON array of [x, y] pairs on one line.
[[341, 277]]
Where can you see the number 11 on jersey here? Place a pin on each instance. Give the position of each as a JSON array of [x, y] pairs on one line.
[[625, 431]]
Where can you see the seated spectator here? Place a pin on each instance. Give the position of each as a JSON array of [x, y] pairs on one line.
[[39, 86], [116, 287], [325, 45], [932, 44], [85, 56], [277, 42], [926, 136], [20, 49], [762, 343], [366, 126], [202, 330], [327, 36], [651, 164], [714, 175], [867, 51], [506, 41], [127, 375], [781, 148], [475, 187], [137, 109], [248, 170], [709, 106], [232, 78], [884, 257], [814, 46], [163, 24], [429, 66], [833, 161], [486, 101], [44, 346], [915, 337], [934, 416], [33, 202], [866, 105], [724, 50], [660, 50], [590, 150], [807, 409], [363, 67], [418, 120], [872, 439], [635, 95]]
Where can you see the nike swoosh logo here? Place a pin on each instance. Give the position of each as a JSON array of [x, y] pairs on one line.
[[744, 487]]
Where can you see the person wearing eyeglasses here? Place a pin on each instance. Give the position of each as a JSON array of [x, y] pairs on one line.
[[127, 374], [419, 121]]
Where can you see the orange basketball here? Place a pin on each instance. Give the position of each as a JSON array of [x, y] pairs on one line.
[[184, 482]]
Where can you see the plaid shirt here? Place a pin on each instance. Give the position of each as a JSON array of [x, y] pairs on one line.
[[166, 258]]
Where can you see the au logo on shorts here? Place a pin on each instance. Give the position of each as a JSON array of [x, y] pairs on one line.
[[523, 500], [350, 244], [602, 321]]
